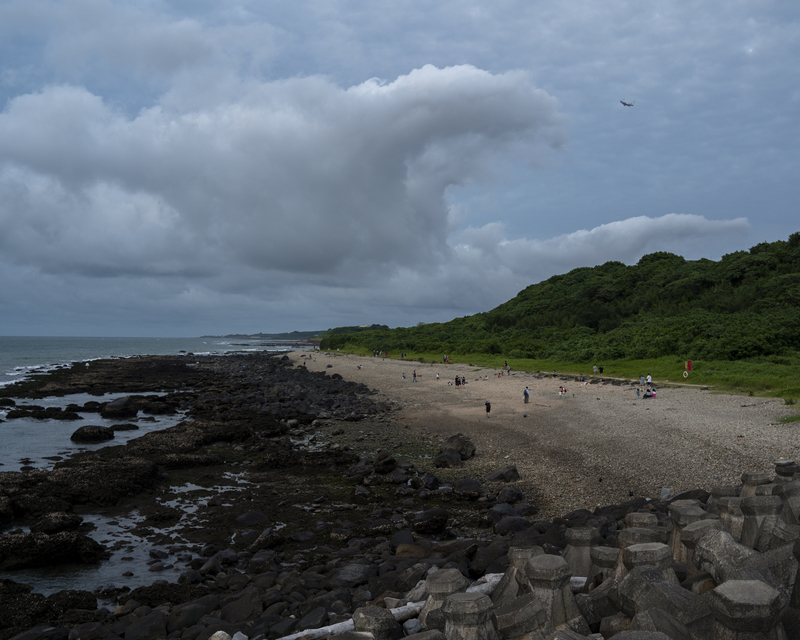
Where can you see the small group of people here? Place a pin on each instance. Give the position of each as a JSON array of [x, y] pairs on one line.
[[562, 392], [647, 383], [597, 369], [381, 354], [460, 381]]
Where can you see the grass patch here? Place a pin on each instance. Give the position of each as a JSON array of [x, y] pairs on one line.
[[790, 419], [759, 376]]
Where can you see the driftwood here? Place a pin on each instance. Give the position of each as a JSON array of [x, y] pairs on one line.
[[485, 585], [401, 614]]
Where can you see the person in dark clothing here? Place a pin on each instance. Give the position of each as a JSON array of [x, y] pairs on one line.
[[488, 408]]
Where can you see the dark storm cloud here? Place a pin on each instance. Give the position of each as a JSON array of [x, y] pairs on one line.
[[184, 166], [298, 175]]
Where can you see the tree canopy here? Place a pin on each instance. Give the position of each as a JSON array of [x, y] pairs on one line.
[[745, 305]]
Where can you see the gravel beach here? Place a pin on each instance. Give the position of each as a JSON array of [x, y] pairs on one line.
[[597, 445]]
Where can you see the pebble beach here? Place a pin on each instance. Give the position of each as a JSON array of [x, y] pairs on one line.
[[597, 445]]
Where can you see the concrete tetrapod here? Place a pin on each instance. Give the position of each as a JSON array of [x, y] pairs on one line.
[[656, 554], [790, 495], [750, 482], [730, 512], [514, 581], [785, 470], [577, 552], [643, 519], [690, 536], [524, 615], [604, 561], [747, 609], [549, 577], [377, 621], [756, 510], [440, 585], [681, 517], [631, 536], [468, 616]]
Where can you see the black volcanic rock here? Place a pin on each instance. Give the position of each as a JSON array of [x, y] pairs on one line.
[[55, 522], [20, 551], [120, 409], [431, 521], [506, 474], [91, 433], [448, 459], [460, 443]]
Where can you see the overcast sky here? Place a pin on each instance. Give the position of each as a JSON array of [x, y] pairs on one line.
[[186, 168]]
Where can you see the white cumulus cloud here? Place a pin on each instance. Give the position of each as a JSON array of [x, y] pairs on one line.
[[292, 176]]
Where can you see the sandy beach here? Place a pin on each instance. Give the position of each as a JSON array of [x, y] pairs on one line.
[[597, 445]]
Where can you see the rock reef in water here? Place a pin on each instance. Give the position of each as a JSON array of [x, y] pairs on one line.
[[26, 550]]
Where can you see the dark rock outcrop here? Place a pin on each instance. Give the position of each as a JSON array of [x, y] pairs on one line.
[[20, 551], [91, 433], [56, 522], [460, 443]]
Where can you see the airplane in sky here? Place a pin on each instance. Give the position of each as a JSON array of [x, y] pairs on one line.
[[628, 104]]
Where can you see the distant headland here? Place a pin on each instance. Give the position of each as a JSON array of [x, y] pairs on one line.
[[301, 335]]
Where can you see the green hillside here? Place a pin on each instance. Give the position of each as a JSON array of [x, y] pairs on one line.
[[745, 306]]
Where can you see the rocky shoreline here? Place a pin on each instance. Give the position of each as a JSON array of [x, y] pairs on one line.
[[311, 533]]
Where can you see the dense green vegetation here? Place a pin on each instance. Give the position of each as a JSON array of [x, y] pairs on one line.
[[744, 307], [354, 329]]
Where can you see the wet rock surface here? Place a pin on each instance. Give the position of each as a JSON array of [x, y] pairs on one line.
[[92, 433]]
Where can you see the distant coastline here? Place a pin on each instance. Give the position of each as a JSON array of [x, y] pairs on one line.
[[292, 335]]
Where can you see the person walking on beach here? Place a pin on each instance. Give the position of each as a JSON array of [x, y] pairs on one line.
[[649, 380], [488, 408], [526, 395], [415, 375], [594, 368]]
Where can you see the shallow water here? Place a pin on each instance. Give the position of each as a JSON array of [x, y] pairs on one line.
[[130, 552], [34, 443], [41, 443], [23, 356]]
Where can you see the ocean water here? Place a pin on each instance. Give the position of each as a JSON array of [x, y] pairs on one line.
[[21, 356], [39, 444]]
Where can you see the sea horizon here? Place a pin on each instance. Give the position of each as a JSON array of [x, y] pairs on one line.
[[21, 356]]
